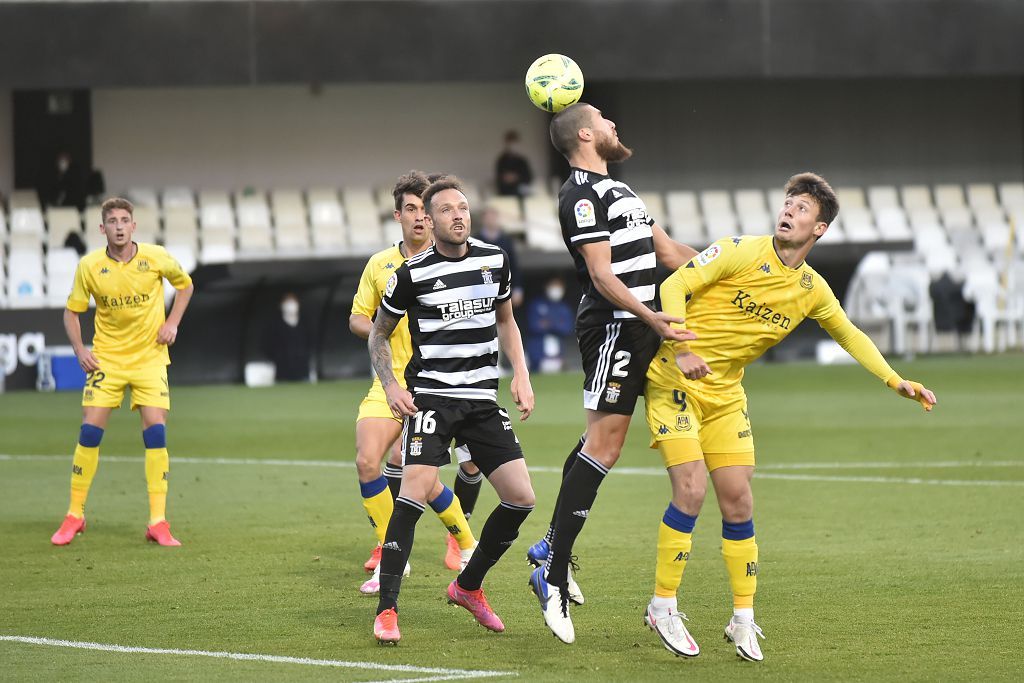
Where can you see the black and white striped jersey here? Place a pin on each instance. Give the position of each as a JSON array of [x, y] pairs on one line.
[[595, 208], [452, 321]]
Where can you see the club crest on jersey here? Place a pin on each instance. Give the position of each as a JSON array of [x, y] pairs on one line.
[[488, 276], [585, 216], [806, 282], [143, 266], [613, 392], [682, 423], [708, 255], [416, 446], [392, 283]]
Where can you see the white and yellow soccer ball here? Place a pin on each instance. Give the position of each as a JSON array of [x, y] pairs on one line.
[[553, 82]]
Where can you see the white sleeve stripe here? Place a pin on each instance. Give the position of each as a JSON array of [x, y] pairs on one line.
[[392, 309], [590, 235]]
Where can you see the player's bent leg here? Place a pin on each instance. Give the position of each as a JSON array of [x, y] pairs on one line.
[[445, 504], [374, 436], [739, 550], [154, 438], [511, 481]]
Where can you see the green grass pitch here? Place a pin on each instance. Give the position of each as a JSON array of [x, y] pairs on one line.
[[891, 542]]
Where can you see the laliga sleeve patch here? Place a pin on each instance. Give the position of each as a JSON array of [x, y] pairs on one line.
[[585, 216], [392, 283], [708, 255]]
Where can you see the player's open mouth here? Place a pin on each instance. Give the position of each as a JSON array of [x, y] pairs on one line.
[[785, 225]]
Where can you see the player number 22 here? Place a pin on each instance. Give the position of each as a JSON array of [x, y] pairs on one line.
[[94, 378], [425, 423], [621, 361]]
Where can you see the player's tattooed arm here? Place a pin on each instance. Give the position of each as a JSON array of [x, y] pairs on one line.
[[379, 344]]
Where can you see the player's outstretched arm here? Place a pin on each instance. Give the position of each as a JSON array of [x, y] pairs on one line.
[[512, 344], [168, 332], [671, 254], [399, 399], [360, 325], [73, 328]]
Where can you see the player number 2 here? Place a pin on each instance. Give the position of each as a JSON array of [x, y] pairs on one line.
[[425, 423], [621, 361]]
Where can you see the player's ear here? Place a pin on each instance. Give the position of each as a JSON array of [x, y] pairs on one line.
[[819, 229]]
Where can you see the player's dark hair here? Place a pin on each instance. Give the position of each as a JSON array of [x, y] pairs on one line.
[[413, 182], [814, 185], [116, 203], [447, 182], [565, 127]]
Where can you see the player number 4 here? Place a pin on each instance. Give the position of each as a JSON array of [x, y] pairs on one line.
[[425, 423]]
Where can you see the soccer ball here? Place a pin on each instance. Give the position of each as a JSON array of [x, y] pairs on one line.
[[553, 82]]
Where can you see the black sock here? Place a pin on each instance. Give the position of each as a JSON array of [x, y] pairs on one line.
[[393, 473], [396, 549], [467, 490], [500, 530], [579, 490], [569, 462]]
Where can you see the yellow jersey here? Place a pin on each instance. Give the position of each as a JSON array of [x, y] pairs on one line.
[[740, 299], [372, 284], [129, 304]]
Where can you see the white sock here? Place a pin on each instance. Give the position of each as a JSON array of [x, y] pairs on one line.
[[743, 615], [663, 605]]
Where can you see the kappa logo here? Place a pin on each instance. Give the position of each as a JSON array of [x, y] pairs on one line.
[[663, 430], [104, 271], [389, 266], [766, 268], [582, 513], [392, 545], [439, 285]]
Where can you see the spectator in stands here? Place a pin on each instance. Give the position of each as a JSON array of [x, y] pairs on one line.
[[493, 233], [288, 343], [512, 170], [951, 311], [549, 321], [74, 241], [63, 183]]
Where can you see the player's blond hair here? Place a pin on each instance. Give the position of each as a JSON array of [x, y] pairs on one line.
[[116, 203]]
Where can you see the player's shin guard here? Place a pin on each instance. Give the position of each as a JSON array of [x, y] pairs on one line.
[[569, 462], [378, 504], [578, 492], [396, 550], [449, 511], [157, 471], [393, 473], [84, 466], [675, 536], [500, 530], [740, 553], [467, 490]]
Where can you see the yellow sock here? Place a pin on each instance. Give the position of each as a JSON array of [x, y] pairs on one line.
[[453, 518], [673, 552], [83, 469], [741, 563], [157, 471], [379, 505]]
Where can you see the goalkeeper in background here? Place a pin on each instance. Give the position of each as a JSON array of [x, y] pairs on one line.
[[740, 296]]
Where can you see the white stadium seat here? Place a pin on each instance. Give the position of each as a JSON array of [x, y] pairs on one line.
[[542, 227], [365, 234], [1011, 196], [882, 197], [655, 204], [850, 198], [916, 197], [684, 219], [255, 236], [25, 279], [178, 197], [510, 213], [982, 196], [60, 274], [949, 197], [180, 227], [215, 212], [60, 220], [291, 231], [327, 220]]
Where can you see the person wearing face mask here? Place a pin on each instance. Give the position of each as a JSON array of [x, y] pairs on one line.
[[289, 343], [513, 174], [65, 183], [549, 320]]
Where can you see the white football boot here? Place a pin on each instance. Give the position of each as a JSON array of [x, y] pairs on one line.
[[670, 628], [744, 635], [553, 606]]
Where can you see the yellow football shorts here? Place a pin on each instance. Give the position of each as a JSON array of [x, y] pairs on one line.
[[686, 427], [104, 388], [376, 404]]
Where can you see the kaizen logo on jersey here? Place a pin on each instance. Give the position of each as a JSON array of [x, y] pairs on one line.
[[585, 216], [465, 308], [745, 303], [708, 255]]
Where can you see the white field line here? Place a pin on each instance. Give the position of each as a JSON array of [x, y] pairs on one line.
[[644, 471], [439, 674]]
